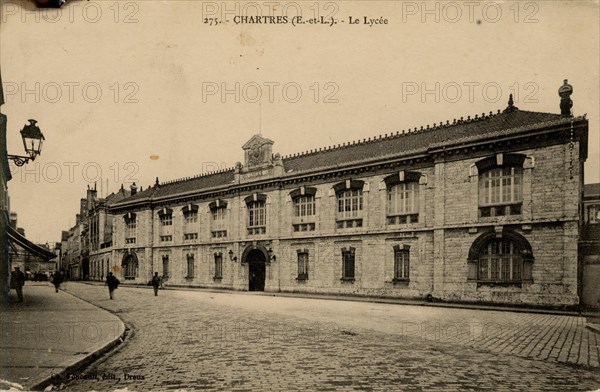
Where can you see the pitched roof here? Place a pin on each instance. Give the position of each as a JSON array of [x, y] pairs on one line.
[[590, 190], [398, 144], [201, 182], [117, 197], [416, 140]]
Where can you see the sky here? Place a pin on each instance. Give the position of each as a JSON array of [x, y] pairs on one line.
[[133, 90]]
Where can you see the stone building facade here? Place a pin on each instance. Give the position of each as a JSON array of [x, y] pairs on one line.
[[87, 246], [482, 209], [589, 246]]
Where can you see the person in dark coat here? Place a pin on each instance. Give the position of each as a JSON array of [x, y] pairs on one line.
[[17, 281], [57, 279], [155, 283], [112, 282]]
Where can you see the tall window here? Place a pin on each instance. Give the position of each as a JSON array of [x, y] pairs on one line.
[[302, 264], [218, 266], [349, 203], [190, 225], [165, 266], [165, 216], [190, 266], [401, 263], [348, 255], [257, 217], [166, 220], [403, 203], [501, 191], [500, 261], [130, 267], [304, 213], [130, 229], [218, 221]]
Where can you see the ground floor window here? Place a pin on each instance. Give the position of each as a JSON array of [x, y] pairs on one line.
[[499, 261], [165, 266], [506, 259], [190, 266], [348, 259], [302, 264], [401, 263], [218, 266], [130, 267]]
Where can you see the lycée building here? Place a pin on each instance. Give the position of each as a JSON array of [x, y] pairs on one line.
[[481, 209]]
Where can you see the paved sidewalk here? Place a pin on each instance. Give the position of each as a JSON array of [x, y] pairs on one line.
[[51, 334]]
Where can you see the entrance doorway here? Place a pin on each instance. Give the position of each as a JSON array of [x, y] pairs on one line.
[[256, 270]]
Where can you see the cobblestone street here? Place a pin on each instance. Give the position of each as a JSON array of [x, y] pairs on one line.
[[242, 341]]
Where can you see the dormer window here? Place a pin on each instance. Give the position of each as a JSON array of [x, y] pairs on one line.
[[501, 185]]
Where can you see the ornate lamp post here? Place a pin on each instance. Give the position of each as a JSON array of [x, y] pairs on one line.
[[32, 142]]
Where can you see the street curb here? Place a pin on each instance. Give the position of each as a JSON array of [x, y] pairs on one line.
[[88, 359], [593, 327]]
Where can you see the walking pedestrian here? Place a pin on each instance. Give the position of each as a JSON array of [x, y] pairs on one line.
[[112, 282], [17, 281], [57, 280], [155, 283]]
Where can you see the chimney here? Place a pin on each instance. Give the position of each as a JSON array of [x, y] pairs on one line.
[[133, 189], [92, 197], [82, 207], [77, 219], [566, 103]]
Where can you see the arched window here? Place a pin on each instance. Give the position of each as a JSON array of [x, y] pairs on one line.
[[130, 266], [505, 258], [500, 261], [501, 185]]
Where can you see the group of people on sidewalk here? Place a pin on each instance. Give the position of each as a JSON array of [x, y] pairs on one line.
[[17, 281]]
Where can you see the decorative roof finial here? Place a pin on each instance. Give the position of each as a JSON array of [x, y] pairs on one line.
[[156, 183], [511, 107], [566, 103]]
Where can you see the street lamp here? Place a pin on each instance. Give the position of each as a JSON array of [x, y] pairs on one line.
[[32, 142], [231, 256]]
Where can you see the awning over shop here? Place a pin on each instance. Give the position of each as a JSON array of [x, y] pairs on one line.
[[15, 238]]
